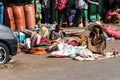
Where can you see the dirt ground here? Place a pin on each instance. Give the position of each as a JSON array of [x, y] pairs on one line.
[[28, 66]]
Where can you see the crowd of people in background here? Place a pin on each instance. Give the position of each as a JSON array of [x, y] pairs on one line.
[[63, 8], [75, 16]]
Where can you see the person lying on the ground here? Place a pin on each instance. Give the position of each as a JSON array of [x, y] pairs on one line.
[[73, 41], [97, 40]]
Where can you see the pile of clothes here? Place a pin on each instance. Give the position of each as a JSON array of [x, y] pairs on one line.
[[76, 46], [81, 47], [113, 16]]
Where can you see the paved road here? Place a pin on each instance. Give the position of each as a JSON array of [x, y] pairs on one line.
[[35, 67], [43, 67]]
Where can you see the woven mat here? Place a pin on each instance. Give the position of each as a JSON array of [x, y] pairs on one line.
[[73, 30]]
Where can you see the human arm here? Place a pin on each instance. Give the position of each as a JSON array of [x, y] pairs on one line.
[[52, 35], [92, 2]]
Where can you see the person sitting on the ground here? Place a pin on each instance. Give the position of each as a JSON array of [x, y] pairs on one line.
[[40, 36], [57, 33], [96, 40]]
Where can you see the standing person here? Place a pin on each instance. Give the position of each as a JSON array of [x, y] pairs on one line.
[[38, 11], [46, 10], [62, 7], [71, 16], [82, 7]]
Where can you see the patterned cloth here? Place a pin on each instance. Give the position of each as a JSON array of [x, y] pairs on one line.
[[61, 4]]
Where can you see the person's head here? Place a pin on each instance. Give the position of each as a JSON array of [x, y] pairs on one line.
[[43, 31], [57, 28], [97, 29]]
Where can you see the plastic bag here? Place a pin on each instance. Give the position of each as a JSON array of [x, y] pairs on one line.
[[27, 43], [85, 53]]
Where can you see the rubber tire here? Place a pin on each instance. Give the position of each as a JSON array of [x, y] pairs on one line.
[[6, 53]]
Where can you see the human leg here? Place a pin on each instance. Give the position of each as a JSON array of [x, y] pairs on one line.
[[85, 17], [59, 18], [35, 40], [66, 16], [47, 14], [79, 19]]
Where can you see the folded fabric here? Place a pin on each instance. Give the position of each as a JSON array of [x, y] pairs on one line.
[[111, 32], [39, 51]]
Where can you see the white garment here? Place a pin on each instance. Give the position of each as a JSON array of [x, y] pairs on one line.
[[85, 53], [80, 4], [27, 43], [46, 4], [64, 50]]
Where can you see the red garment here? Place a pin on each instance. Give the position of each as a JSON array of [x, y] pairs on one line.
[[112, 32], [37, 40], [110, 14], [61, 4]]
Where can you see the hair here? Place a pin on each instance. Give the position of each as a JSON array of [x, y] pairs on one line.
[[57, 27], [100, 29]]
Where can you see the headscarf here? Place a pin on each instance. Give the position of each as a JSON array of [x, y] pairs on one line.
[[43, 31]]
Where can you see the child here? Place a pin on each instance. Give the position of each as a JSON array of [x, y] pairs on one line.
[[82, 8], [57, 33], [71, 17]]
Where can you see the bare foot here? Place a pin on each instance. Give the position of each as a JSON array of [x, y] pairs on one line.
[[80, 25]]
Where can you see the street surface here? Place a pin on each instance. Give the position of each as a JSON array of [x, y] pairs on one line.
[[44, 67]]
